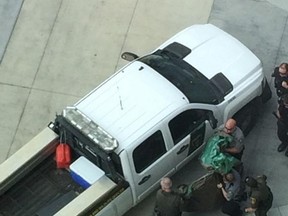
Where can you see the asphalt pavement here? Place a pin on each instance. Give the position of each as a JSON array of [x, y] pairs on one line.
[[53, 52]]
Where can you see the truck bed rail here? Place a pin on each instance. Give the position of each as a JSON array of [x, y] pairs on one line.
[[26, 158]]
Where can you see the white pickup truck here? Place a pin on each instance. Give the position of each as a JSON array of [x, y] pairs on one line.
[[145, 122]]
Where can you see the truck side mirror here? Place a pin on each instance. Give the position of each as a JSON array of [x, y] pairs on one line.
[[128, 56], [212, 120]]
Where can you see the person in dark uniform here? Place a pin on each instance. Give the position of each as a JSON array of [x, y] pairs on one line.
[[281, 79], [168, 202], [260, 196], [282, 124]]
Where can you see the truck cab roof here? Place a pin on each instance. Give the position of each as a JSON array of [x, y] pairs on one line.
[[139, 95], [131, 102]]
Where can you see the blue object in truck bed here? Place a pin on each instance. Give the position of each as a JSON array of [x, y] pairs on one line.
[[84, 172]]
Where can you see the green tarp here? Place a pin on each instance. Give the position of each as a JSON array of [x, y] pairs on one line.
[[213, 158], [203, 194]]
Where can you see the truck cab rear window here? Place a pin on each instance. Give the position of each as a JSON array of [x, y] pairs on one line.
[[148, 151], [196, 87]]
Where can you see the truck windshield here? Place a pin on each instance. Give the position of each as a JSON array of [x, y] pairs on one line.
[[196, 87]]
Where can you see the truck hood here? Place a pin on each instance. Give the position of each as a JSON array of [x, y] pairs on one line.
[[214, 51]]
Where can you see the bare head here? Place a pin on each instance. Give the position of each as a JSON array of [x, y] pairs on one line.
[[230, 125], [229, 177], [283, 69], [166, 184]]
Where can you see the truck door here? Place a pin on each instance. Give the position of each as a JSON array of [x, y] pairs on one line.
[[189, 131], [151, 162]]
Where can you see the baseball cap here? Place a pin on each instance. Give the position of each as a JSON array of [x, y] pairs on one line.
[[250, 181]]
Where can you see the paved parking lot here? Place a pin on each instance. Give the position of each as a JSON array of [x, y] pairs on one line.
[[53, 52]]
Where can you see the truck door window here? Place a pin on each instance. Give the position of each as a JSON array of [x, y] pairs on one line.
[[148, 151], [185, 123]]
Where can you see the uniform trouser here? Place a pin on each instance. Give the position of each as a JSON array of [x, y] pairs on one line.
[[231, 208], [282, 131]]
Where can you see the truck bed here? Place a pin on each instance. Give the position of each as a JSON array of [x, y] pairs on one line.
[[31, 184], [43, 191]]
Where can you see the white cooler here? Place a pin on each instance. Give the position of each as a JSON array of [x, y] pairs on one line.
[[84, 172]]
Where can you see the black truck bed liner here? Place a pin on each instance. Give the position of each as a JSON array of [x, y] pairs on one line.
[[43, 191]]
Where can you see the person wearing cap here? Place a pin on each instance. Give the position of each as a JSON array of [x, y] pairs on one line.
[[260, 196], [236, 147], [282, 124], [231, 192], [281, 79], [168, 202]]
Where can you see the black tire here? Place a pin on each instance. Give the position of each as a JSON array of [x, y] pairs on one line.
[[246, 117]]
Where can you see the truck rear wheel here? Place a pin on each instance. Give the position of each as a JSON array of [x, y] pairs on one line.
[[247, 116]]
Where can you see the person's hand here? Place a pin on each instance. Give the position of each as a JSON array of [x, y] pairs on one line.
[[284, 84], [219, 185], [249, 210]]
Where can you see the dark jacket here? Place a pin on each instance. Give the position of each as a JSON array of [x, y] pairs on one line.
[[280, 91], [283, 111], [168, 203], [261, 196]]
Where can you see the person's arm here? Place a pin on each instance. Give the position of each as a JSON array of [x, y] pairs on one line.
[[156, 209], [250, 210], [226, 194], [254, 204], [278, 113], [233, 150], [180, 202], [237, 141]]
